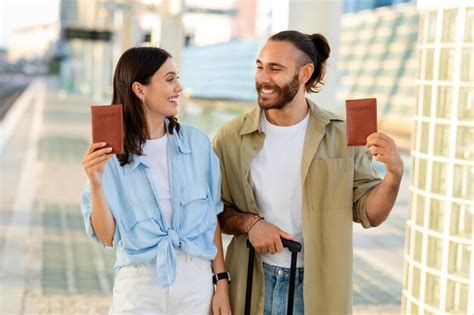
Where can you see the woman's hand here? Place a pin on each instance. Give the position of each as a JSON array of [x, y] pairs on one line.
[[94, 160], [220, 300]]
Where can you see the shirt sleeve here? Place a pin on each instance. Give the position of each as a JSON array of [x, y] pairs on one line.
[[215, 182], [365, 179], [86, 209], [226, 196]]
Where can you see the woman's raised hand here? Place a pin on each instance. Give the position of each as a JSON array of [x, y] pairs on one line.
[[94, 160]]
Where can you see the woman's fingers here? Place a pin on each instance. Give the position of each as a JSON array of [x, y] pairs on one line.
[[97, 162], [94, 146], [96, 154]]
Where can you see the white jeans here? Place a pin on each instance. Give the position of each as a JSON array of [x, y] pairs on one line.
[[137, 291]]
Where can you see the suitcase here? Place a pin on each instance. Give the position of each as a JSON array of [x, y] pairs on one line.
[[294, 248]]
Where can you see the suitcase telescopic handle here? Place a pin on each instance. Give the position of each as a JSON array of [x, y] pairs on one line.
[[294, 247]]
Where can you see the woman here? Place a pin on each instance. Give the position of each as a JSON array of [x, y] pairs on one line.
[[157, 203]]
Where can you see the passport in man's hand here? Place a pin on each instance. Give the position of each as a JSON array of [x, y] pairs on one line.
[[361, 120], [107, 126]]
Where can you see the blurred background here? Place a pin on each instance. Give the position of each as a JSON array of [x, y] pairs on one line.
[[416, 57]]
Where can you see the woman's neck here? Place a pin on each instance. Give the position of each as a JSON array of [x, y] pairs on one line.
[[156, 127]]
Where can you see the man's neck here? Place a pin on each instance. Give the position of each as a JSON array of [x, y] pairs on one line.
[[291, 114]]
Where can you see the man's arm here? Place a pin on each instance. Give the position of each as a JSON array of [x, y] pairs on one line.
[[382, 198], [264, 237], [235, 222]]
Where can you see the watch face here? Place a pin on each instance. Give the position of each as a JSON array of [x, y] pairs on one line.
[[221, 276]]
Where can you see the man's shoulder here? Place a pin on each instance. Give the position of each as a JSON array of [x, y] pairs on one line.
[[233, 127]]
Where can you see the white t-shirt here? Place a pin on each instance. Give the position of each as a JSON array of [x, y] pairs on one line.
[[156, 157], [276, 182]]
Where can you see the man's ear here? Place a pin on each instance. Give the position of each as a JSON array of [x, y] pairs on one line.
[[137, 88], [305, 72]]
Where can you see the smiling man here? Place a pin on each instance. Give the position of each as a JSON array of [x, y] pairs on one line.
[[288, 173]]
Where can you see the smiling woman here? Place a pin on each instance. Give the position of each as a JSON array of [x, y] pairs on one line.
[[157, 203]]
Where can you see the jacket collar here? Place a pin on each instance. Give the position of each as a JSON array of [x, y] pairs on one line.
[[251, 121]]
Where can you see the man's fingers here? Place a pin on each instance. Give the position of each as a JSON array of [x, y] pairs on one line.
[[278, 246], [286, 235]]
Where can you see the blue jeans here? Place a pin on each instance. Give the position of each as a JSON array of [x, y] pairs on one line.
[[277, 280]]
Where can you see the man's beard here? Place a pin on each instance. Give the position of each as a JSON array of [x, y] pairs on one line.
[[284, 94]]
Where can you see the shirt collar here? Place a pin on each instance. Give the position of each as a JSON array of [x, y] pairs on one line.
[[176, 146]]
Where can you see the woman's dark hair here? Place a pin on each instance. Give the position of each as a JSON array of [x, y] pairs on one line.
[[137, 64], [315, 50]]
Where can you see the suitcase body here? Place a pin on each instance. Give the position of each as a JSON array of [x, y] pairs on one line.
[[294, 248]]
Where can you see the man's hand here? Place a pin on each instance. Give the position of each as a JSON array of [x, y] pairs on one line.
[[266, 238], [384, 150], [381, 199]]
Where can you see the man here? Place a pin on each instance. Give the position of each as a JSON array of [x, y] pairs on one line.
[[288, 173]]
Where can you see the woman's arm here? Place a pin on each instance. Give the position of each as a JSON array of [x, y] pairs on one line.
[[102, 220], [220, 302]]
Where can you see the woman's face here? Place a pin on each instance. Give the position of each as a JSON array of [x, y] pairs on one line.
[[162, 92]]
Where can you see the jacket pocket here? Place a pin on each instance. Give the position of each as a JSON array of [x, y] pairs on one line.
[[331, 183]]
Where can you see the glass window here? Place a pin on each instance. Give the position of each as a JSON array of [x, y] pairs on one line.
[[416, 282], [469, 24], [466, 103], [446, 64], [443, 108], [422, 163], [465, 143], [457, 297], [442, 139], [432, 290], [431, 31], [449, 26], [459, 259], [464, 181], [424, 137], [467, 69], [418, 246], [461, 221], [435, 252], [426, 100], [421, 58], [429, 63], [420, 209], [436, 213], [439, 178]]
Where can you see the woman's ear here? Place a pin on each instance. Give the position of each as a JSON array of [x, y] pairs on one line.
[[137, 88]]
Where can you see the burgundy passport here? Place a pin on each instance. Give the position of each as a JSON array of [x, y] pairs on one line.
[[361, 120], [107, 126]]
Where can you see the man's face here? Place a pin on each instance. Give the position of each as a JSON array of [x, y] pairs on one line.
[[277, 76]]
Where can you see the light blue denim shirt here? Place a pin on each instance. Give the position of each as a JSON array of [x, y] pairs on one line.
[[141, 234]]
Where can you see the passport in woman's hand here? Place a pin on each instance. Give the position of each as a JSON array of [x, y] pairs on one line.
[[361, 120], [107, 126]]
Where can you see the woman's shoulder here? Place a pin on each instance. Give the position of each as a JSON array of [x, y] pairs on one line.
[[191, 133]]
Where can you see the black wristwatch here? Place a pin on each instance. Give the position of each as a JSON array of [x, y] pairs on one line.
[[219, 276]]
